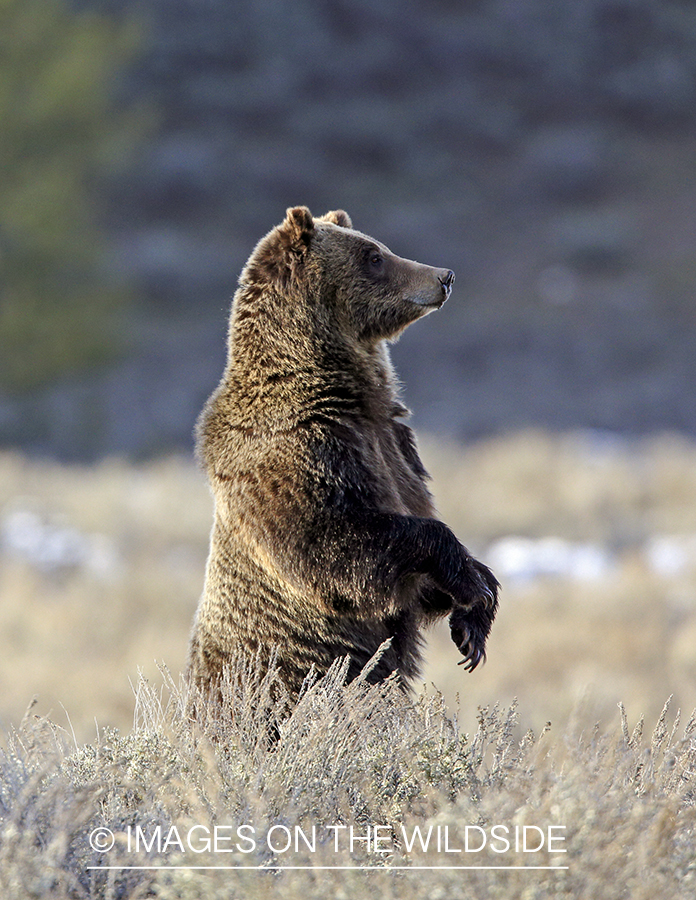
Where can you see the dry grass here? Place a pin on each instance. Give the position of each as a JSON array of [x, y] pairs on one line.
[[626, 636], [75, 634], [100, 571]]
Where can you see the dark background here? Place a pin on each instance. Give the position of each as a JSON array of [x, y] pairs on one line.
[[544, 151]]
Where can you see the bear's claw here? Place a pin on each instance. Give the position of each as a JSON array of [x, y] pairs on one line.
[[472, 660], [469, 639], [472, 654]]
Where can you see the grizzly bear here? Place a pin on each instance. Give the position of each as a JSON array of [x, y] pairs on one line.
[[325, 542]]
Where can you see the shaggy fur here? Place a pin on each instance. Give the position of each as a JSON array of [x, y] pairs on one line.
[[325, 541]]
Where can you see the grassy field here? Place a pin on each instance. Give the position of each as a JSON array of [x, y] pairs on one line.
[[101, 569], [594, 540]]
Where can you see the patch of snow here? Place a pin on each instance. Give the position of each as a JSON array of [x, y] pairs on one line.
[[52, 548], [670, 555], [525, 559]]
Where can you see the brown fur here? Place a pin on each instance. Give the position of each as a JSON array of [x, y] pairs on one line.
[[325, 541]]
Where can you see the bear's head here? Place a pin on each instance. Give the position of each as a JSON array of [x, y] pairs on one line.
[[322, 266]]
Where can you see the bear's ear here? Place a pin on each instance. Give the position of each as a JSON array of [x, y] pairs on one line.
[[338, 217], [297, 230]]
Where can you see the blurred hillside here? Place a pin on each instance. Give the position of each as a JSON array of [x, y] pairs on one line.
[[546, 153]]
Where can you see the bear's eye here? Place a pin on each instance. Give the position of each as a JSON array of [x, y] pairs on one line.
[[376, 261]]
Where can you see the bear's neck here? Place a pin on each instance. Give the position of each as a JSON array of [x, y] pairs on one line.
[[279, 378]]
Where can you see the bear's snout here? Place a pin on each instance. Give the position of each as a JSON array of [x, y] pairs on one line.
[[429, 287]]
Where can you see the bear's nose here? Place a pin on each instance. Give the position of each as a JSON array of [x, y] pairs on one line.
[[447, 282]]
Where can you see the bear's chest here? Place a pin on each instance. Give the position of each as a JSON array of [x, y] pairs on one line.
[[398, 473]]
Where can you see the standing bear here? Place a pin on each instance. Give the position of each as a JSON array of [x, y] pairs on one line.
[[325, 542]]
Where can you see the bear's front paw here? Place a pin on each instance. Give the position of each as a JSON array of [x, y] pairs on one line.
[[469, 637], [483, 585]]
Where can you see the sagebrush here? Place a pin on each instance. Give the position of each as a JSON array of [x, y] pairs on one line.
[[349, 754]]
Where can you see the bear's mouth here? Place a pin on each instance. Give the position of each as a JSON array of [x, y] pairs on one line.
[[436, 303], [431, 305]]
